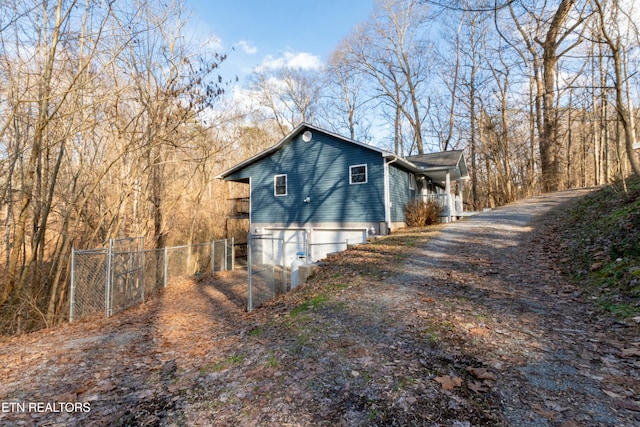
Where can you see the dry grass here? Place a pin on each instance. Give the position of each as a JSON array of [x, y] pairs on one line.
[[419, 213]]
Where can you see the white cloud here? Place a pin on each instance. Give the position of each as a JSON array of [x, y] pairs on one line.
[[305, 61], [243, 98], [248, 47], [271, 63], [300, 61]]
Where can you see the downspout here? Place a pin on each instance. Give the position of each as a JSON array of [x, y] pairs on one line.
[[387, 193]]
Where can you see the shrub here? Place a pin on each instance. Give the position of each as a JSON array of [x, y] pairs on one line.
[[419, 213]]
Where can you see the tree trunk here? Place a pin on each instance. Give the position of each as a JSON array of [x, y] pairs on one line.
[[624, 114], [549, 141], [28, 184]]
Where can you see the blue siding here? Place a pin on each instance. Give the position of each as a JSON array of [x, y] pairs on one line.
[[399, 191], [318, 169]]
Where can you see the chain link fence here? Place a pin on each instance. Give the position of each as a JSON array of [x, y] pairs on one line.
[[112, 279], [267, 272]]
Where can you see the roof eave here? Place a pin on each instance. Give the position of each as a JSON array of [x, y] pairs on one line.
[[262, 154]]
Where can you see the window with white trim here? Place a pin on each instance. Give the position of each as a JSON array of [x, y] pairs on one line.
[[280, 185], [412, 181], [358, 174]]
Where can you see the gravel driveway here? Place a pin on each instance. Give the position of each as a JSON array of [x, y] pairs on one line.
[[560, 362]]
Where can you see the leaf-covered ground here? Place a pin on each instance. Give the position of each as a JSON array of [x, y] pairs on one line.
[[468, 324], [601, 242]]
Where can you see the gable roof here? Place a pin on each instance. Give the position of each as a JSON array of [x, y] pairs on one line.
[[434, 164], [287, 139]]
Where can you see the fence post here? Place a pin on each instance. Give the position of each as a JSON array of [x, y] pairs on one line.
[[249, 293], [233, 253], [188, 263], [129, 280], [283, 280], [213, 258], [224, 256], [273, 266], [72, 290], [141, 266], [107, 291], [166, 266]]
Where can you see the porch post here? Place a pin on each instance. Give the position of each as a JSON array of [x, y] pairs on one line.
[[460, 183], [447, 189]]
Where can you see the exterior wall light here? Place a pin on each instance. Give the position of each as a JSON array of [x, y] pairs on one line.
[[307, 199]]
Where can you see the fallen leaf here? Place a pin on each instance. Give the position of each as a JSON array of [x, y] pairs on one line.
[[628, 405], [448, 382], [478, 387], [480, 331], [612, 394], [482, 373], [630, 352], [550, 415], [596, 266]]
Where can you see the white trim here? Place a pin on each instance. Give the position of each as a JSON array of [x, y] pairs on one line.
[[285, 228], [286, 185], [340, 228], [447, 190], [250, 205], [366, 174], [412, 181]]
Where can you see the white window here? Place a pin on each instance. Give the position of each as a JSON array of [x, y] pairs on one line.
[[358, 174], [412, 181], [280, 185]]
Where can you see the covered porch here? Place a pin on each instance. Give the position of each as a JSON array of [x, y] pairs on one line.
[[440, 173], [452, 206]]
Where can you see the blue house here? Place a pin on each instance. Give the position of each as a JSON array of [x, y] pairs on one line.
[[321, 190]]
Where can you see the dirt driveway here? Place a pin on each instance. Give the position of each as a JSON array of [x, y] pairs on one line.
[[469, 325]]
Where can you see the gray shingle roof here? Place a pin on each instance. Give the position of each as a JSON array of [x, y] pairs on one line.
[[436, 160]]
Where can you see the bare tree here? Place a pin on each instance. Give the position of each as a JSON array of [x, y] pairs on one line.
[[101, 105], [171, 85], [347, 96], [392, 48], [547, 35], [291, 95], [54, 85], [466, 35], [617, 28]]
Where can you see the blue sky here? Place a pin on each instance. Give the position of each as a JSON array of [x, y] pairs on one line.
[[274, 32]]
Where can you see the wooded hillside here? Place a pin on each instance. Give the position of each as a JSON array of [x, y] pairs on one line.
[[116, 117]]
